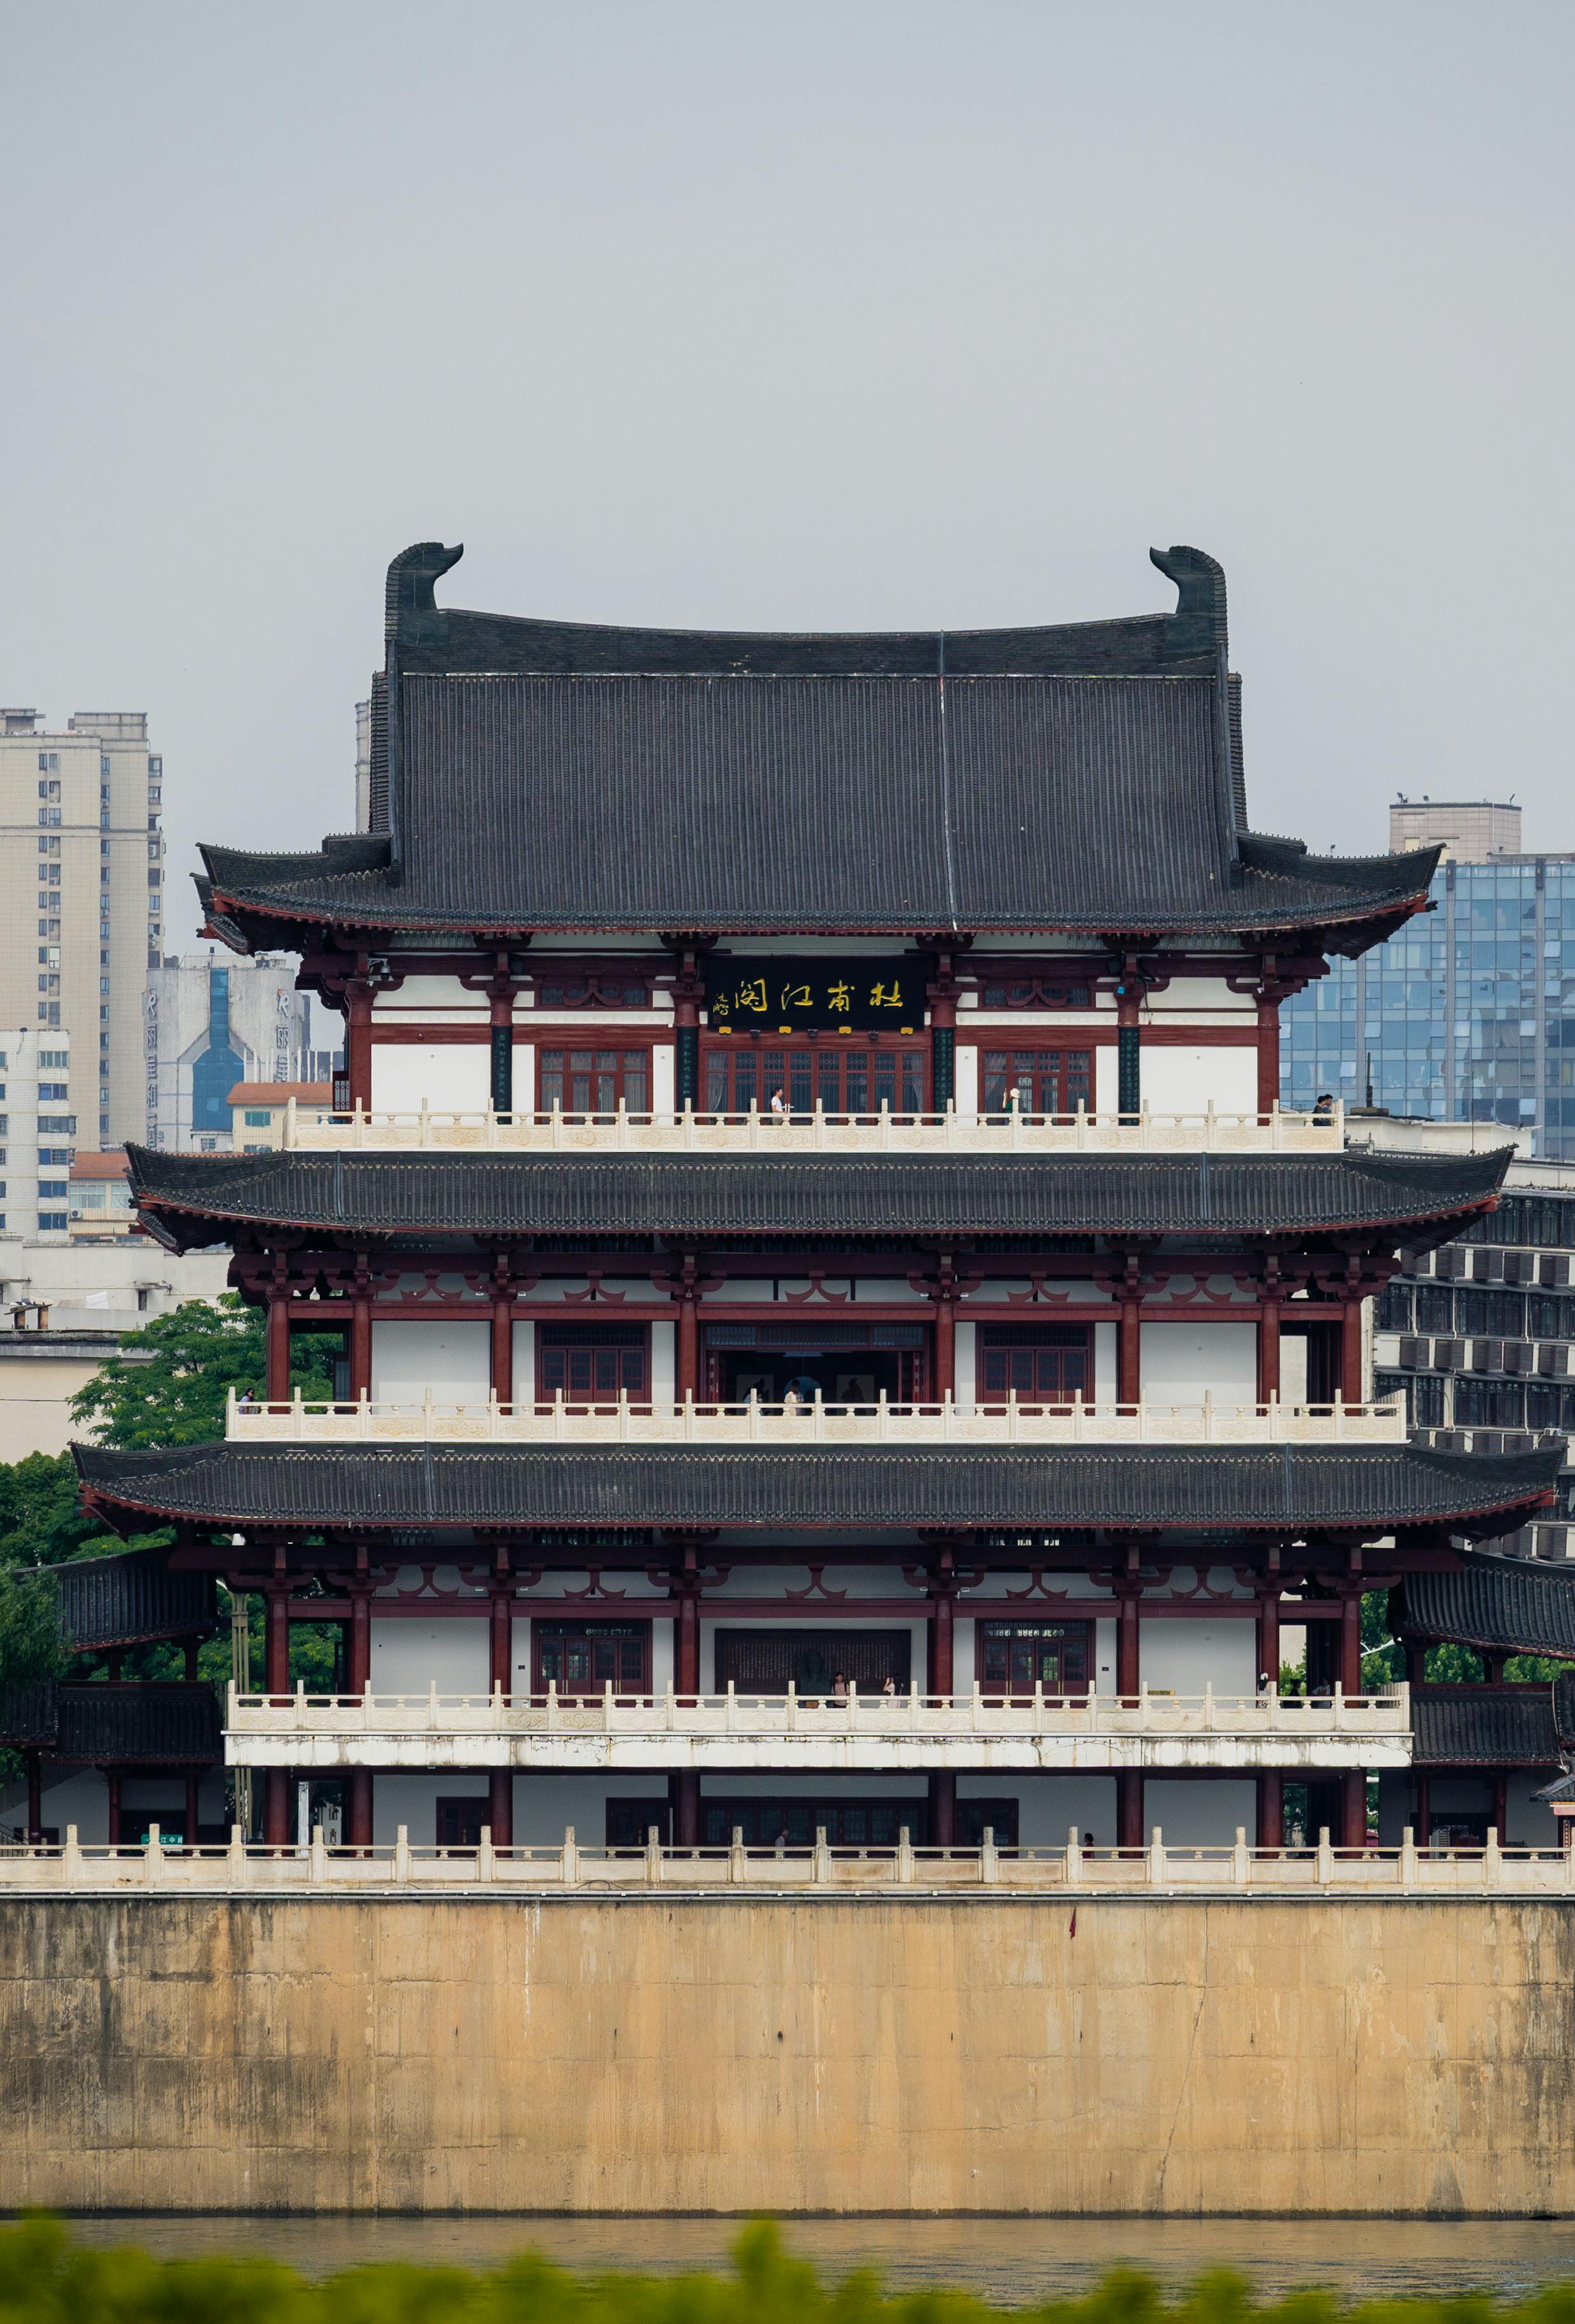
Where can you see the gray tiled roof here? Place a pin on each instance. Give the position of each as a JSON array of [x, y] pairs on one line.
[[1365, 1490], [122, 1601], [1082, 778], [1505, 1604], [811, 1195], [156, 1725], [1484, 1726]]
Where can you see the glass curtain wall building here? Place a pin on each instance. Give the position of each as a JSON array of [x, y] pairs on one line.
[[1467, 1014]]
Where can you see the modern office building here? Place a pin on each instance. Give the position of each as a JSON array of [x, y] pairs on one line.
[[82, 886], [211, 1021], [869, 1354], [1466, 1013]]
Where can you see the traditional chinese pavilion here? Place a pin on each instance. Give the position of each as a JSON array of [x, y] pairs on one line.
[[837, 1332]]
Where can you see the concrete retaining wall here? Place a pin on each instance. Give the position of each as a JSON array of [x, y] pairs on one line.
[[705, 2054]]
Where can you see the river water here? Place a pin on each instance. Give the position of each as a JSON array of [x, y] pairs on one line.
[[1010, 2261]]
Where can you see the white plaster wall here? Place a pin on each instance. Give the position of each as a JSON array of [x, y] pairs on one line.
[[524, 1362], [1188, 1657], [1200, 1811], [1105, 1336], [454, 1360], [1106, 1079], [663, 1656], [409, 1656], [967, 1078], [1183, 1081], [663, 1078], [80, 1796], [1293, 1367], [1049, 1806], [524, 1076], [1177, 1362], [451, 1077], [1105, 1656], [544, 1804], [423, 996], [519, 1654], [664, 1363], [964, 1358]]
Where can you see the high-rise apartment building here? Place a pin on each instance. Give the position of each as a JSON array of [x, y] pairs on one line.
[[1468, 1013], [1469, 831], [209, 1022], [81, 902]]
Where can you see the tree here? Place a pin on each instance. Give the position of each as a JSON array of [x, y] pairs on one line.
[[193, 1357]]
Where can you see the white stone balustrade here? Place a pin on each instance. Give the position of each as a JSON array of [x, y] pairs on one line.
[[754, 1132], [973, 1732], [1399, 1875], [300, 1422]]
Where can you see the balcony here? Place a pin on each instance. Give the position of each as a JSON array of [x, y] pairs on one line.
[[976, 1733], [794, 1423], [307, 1128], [1166, 1874]]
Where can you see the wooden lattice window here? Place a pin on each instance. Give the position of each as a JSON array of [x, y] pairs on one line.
[[1039, 1363], [849, 1078], [1036, 1081], [592, 1081]]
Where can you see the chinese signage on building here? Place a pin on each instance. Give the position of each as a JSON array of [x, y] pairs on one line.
[[790, 996]]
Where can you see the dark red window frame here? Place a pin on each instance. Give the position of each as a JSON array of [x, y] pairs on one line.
[[593, 1077], [592, 1363], [1011, 1656], [850, 1076], [1040, 1363], [1046, 1080], [615, 1652]]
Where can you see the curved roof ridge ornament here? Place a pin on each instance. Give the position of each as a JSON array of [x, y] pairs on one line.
[[410, 609], [1200, 581]]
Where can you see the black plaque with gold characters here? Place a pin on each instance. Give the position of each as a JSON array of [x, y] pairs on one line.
[[816, 995]]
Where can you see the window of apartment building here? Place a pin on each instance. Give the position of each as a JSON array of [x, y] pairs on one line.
[[154, 847], [53, 1223], [48, 1013], [52, 1061], [104, 847], [53, 1092], [49, 762], [49, 790], [53, 1190], [53, 1158], [257, 1117], [61, 1125], [49, 815], [154, 878]]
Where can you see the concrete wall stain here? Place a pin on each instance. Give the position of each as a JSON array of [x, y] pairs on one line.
[[1180, 2057]]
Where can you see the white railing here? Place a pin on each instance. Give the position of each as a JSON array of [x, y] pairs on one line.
[[1385, 1711], [844, 1730], [619, 1131], [1168, 1873], [814, 1423]]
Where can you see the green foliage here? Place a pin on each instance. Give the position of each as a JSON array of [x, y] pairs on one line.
[[196, 1355], [31, 1645], [46, 2279]]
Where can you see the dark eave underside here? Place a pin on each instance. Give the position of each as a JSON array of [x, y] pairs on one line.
[[1365, 1490], [762, 1194], [1502, 1604]]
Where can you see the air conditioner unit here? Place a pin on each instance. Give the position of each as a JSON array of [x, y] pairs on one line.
[[1519, 1357], [1520, 1266], [1555, 1271], [1449, 1355], [1487, 1355], [1486, 1267], [1554, 1358], [1412, 1355], [1450, 1264]]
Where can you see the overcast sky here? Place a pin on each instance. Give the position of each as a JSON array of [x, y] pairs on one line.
[[792, 316]]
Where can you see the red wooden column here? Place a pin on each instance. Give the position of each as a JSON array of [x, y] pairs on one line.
[[276, 1680], [1416, 1663], [1350, 1351], [1270, 1295], [1268, 1638], [943, 1788], [946, 1301], [1350, 1640], [1129, 1352], [1271, 1808], [684, 1806], [360, 1347], [1129, 1808], [686, 1297], [278, 1345], [1353, 1808], [358, 1041], [1128, 1666], [1268, 1046], [503, 1348], [941, 1672]]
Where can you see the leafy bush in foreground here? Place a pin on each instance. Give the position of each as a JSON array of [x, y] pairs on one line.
[[46, 2279]]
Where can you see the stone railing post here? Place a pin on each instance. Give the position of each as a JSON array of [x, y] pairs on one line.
[[1241, 1863], [319, 1858], [569, 1861], [1157, 1859], [1073, 1859], [1408, 1858], [402, 1853], [905, 1856], [1492, 1860], [486, 1855], [653, 1855], [821, 1870], [71, 1859], [1325, 1858], [235, 1854], [738, 1870], [989, 1859], [153, 1861]]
